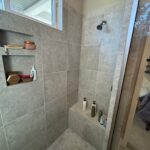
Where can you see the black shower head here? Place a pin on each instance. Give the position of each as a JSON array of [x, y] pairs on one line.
[[100, 27]]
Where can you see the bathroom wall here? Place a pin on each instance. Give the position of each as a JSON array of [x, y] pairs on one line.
[[99, 50], [33, 115]]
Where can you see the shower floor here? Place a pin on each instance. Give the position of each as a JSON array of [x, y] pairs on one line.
[[70, 141]]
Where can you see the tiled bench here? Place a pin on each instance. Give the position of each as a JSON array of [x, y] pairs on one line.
[[86, 127]]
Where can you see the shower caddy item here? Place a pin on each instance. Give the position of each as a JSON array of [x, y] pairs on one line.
[[84, 104], [100, 115], [93, 109], [33, 73], [30, 45]]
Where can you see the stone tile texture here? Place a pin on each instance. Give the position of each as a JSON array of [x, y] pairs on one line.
[[3, 145], [35, 114], [70, 141]]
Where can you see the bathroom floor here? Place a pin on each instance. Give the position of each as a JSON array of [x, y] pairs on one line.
[[139, 137], [70, 141]]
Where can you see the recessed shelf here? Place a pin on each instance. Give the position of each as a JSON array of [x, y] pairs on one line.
[[20, 83], [16, 51], [15, 32], [11, 37], [19, 65]]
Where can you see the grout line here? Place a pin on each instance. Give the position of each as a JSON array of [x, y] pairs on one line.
[[25, 115], [44, 93], [48, 73]]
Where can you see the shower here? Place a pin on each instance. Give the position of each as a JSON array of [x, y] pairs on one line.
[[100, 26]]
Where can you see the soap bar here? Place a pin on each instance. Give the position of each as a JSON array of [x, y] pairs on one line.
[[13, 79]]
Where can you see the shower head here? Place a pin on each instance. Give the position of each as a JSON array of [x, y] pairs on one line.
[[100, 26]]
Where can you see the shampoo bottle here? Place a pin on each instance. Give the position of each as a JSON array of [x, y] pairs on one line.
[[93, 109]]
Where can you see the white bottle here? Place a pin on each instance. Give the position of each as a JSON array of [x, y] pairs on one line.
[[84, 104], [33, 73]]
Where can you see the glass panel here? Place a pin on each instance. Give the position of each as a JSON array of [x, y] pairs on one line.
[[37, 9], [1, 4], [47, 11]]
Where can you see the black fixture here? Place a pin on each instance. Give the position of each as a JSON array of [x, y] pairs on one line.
[[100, 26]]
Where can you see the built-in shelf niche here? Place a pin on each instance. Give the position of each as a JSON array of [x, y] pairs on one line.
[[18, 63], [11, 37]]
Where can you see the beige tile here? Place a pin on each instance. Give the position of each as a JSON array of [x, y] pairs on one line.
[[55, 85], [70, 141], [90, 57], [72, 98], [72, 80], [74, 56], [55, 56], [56, 110], [23, 131], [87, 80], [18, 100]]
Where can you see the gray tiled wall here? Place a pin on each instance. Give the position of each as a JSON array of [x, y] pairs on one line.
[[35, 114], [98, 56], [74, 49], [3, 144]]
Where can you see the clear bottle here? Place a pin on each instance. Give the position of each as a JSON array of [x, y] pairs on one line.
[[33, 73], [100, 115]]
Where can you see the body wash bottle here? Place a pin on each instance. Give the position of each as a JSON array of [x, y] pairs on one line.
[[93, 109]]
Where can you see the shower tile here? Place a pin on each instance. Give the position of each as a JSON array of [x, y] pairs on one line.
[[70, 141], [72, 98], [39, 143], [3, 145], [87, 80], [107, 58], [74, 26], [90, 57], [56, 110], [55, 56], [55, 85], [5, 21], [76, 5], [56, 129], [23, 131], [72, 80], [73, 57], [16, 23], [20, 100], [56, 118]]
